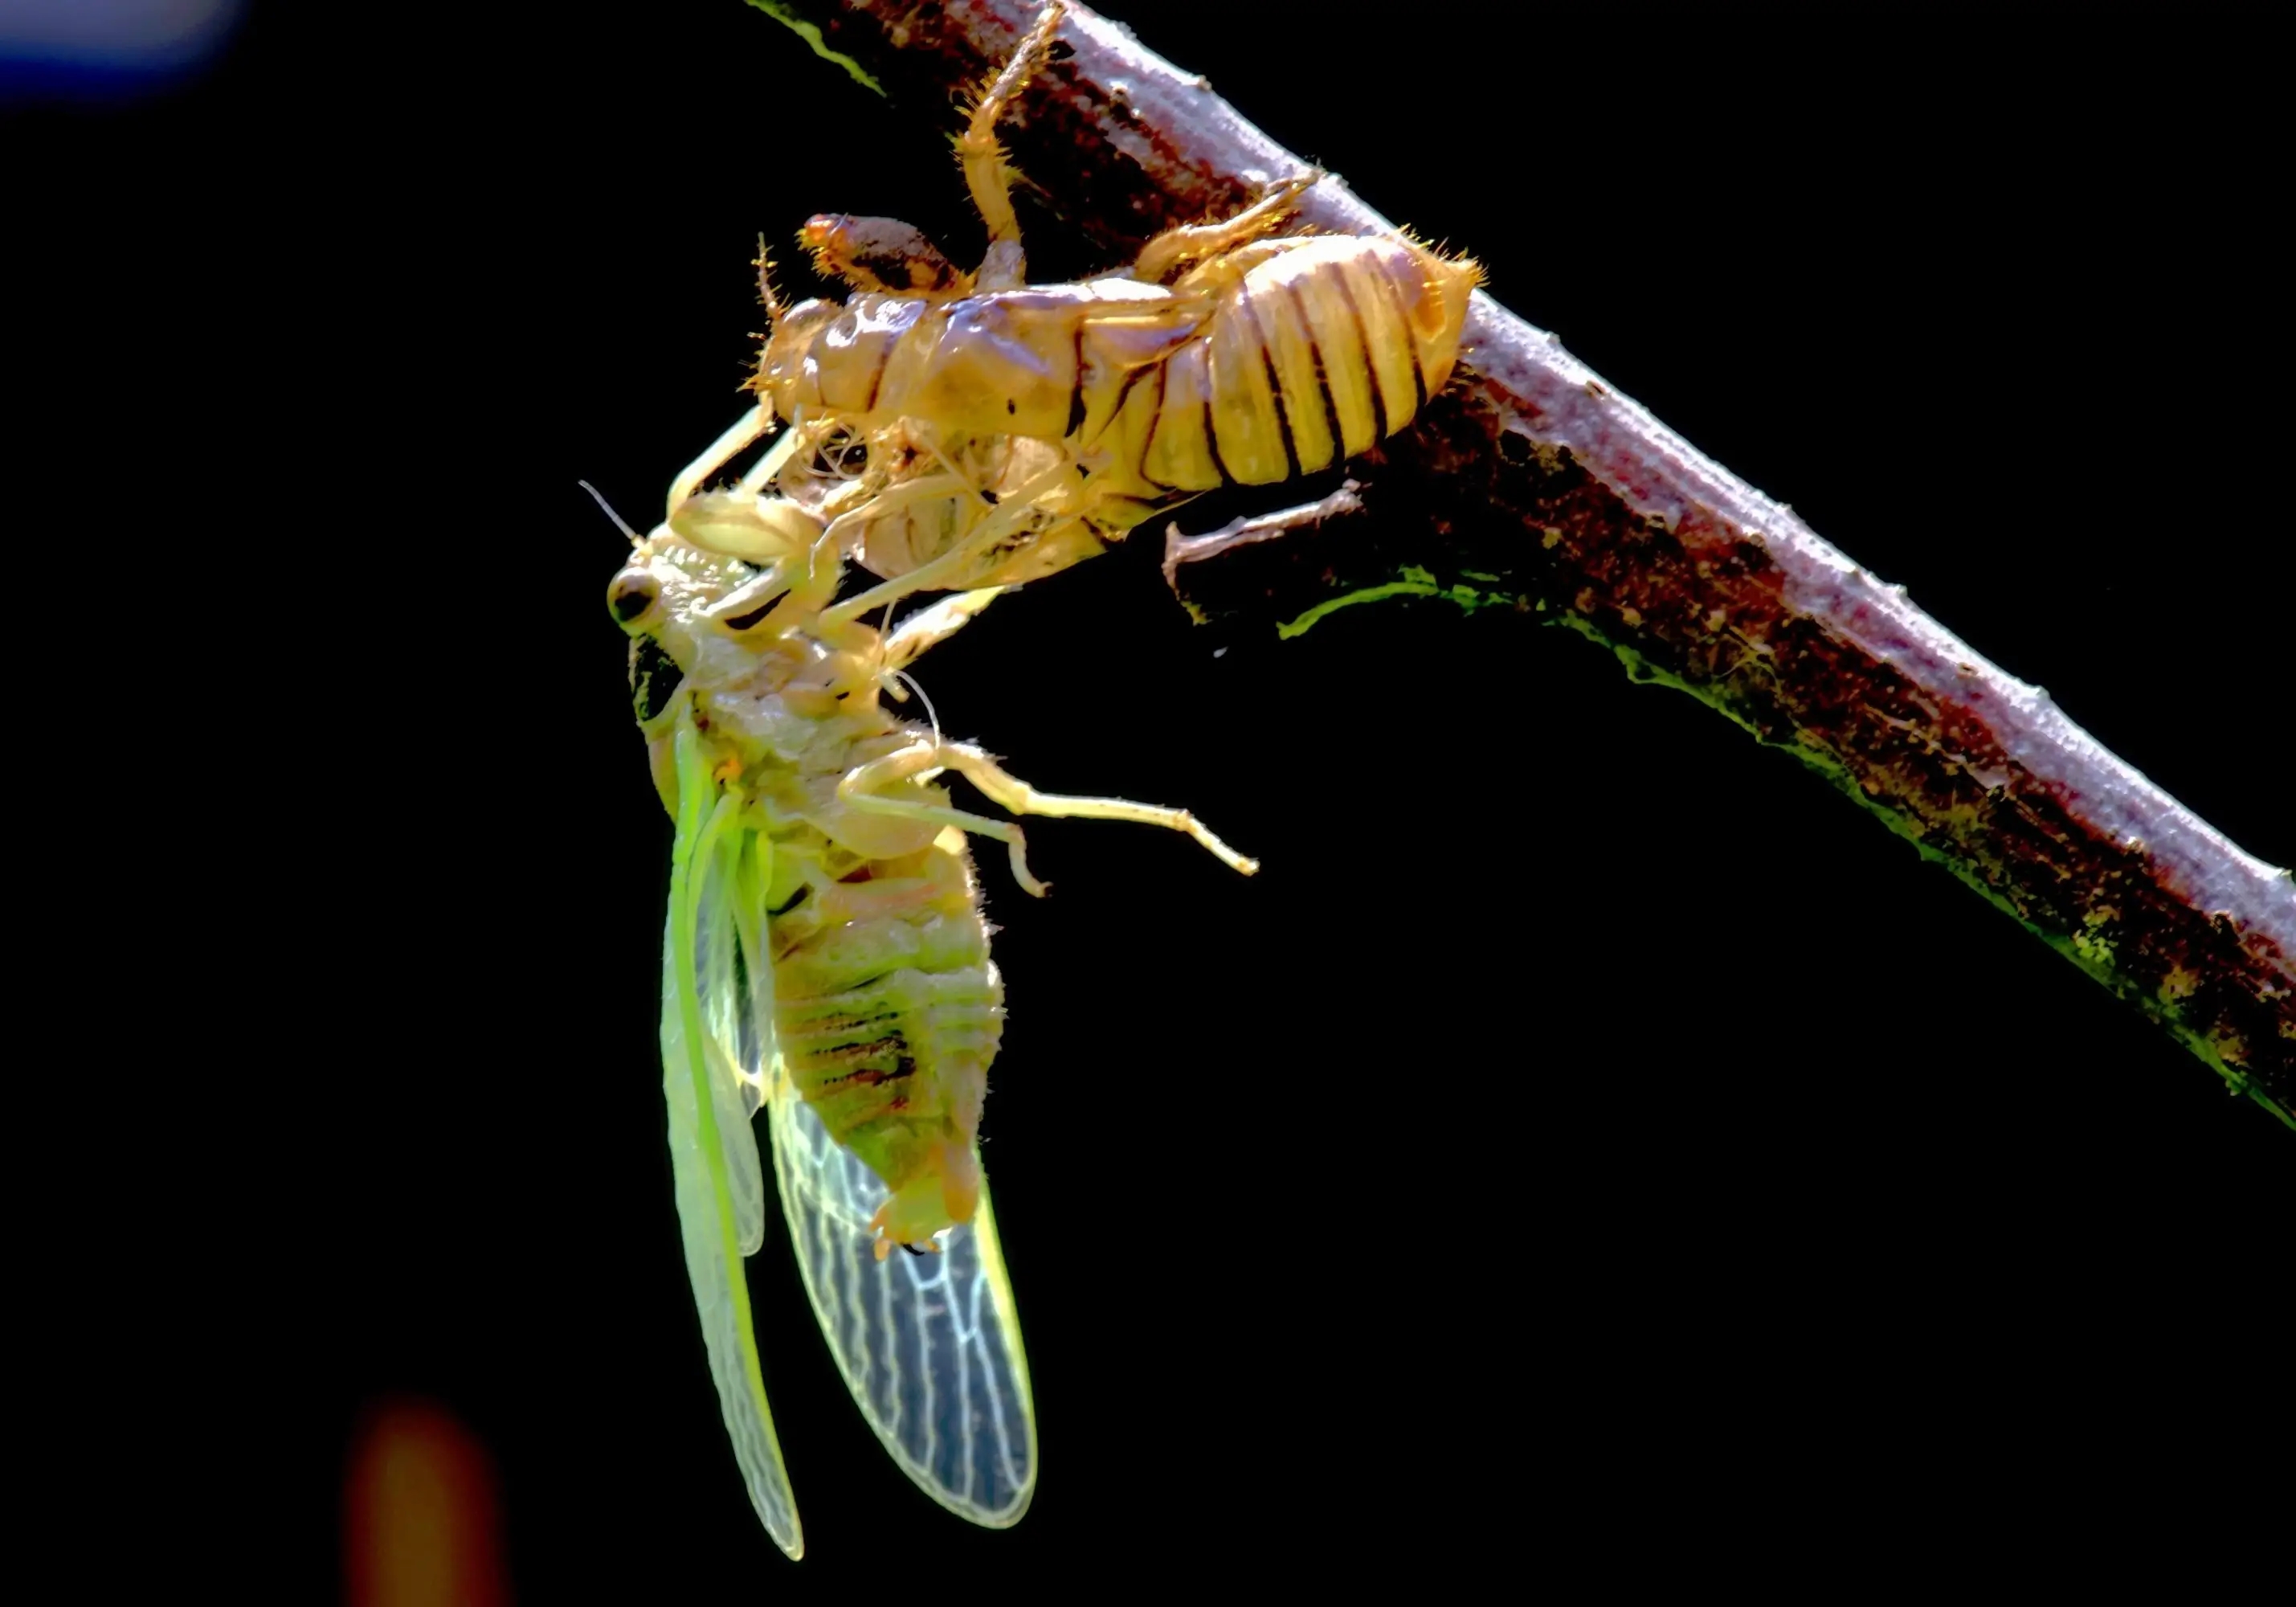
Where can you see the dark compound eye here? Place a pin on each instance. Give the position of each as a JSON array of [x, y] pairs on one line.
[[630, 595], [655, 678]]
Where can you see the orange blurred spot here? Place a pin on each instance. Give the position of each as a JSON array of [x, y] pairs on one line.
[[422, 1522]]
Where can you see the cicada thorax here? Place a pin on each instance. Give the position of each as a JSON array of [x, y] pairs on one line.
[[1027, 362]]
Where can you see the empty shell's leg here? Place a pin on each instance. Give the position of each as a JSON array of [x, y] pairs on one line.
[[1163, 255], [877, 254], [1179, 549], [987, 173]]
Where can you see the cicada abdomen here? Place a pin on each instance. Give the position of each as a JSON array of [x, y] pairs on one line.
[[888, 1012], [1315, 351]]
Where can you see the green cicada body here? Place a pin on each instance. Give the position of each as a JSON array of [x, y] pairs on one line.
[[829, 964], [826, 961]]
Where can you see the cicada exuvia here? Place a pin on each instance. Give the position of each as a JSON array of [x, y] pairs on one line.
[[968, 429]]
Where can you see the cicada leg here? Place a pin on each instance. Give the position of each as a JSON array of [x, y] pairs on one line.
[[1215, 273], [746, 429], [768, 467], [844, 530], [936, 624], [987, 173], [879, 254], [1179, 549], [862, 789], [955, 566], [1010, 793], [1192, 242]]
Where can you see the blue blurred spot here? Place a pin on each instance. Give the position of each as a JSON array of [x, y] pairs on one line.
[[81, 49]]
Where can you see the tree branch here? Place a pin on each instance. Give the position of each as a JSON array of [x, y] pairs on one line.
[[1550, 493]]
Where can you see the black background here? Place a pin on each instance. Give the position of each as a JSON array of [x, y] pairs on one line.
[[1590, 1145]]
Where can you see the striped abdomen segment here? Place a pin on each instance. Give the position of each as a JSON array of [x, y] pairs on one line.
[[1328, 344], [887, 1022]]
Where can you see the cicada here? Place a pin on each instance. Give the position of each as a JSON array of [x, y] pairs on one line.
[[966, 430], [825, 961]]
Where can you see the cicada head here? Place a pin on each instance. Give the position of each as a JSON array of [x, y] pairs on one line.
[[708, 580], [639, 599], [669, 599], [722, 605]]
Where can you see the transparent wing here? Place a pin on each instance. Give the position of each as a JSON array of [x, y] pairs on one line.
[[706, 1024], [930, 1345], [737, 1013]]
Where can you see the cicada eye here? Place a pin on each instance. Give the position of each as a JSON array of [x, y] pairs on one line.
[[631, 597]]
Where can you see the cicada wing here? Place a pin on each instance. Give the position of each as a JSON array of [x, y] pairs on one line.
[[929, 1344], [736, 1000], [713, 1151]]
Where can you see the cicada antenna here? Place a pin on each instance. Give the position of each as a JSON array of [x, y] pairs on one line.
[[600, 498]]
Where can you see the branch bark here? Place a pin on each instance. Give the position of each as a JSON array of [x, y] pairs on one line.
[[1541, 490]]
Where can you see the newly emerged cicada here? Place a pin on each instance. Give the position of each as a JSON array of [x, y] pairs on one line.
[[971, 430], [826, 960]]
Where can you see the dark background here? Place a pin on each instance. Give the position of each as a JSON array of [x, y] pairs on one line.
[[1590, 1144]]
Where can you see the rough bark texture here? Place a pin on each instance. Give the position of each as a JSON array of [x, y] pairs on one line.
[[1532, 486]]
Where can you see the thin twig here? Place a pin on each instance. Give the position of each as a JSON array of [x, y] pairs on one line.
[[1554, 493]]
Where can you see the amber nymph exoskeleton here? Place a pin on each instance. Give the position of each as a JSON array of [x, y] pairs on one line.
[[969, 428]]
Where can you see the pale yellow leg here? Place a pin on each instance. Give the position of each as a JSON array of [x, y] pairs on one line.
[[1215, 274], [846, 526], [843, 535], [1009, 791], [777, 458], [746, 429], [987, 173], [936, 624], [1193, 242], [859, 789]]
